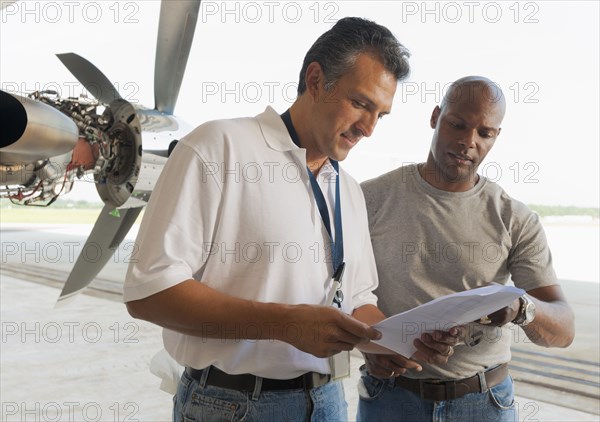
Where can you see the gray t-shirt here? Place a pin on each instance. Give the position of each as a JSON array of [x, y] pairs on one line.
[[429, 243]]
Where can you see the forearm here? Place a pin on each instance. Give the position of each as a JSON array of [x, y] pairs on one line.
[[195, 309], [553, 326]]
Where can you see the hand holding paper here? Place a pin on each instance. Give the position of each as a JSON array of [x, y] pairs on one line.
[[399, 331]]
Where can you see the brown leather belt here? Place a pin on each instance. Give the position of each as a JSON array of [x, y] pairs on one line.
[[439, 390], [247, 382]]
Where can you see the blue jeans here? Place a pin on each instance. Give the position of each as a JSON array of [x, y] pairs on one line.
[[380, 400], [197, 402]]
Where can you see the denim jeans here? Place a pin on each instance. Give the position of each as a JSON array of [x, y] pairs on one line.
[[197, 402], [381, 401]]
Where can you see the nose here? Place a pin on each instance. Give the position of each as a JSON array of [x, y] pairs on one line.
[[469, 139], [367, 123]]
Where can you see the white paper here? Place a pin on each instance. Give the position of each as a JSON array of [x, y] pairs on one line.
[[443, 313]]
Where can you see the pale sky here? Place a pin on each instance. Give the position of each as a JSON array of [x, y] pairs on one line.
[[247, 55]]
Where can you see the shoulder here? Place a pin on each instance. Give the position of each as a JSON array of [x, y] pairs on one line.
[[379, 188], [507, 203], [515, 213], [213, 138], [218, 129]]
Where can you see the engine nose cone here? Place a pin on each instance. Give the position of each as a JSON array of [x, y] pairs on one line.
[[13, 119]]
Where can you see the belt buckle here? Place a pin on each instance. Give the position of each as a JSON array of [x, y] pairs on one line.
[[423, 383], [449, 389]]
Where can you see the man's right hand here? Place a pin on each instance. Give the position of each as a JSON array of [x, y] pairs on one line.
[[438, 346], [324, 331], [388, 366]]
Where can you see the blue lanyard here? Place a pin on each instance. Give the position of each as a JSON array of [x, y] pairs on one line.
[[337, 246]]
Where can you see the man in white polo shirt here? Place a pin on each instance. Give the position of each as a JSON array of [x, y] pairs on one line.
[[249, 231]]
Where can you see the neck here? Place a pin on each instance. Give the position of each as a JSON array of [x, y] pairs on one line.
[[315, 165], [315, 160], [433, 175]]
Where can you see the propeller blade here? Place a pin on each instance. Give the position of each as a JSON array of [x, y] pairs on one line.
[[108, 232], [90, 77], [175, 34]]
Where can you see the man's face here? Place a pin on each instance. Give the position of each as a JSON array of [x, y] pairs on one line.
[[352, 107], [465, 131]]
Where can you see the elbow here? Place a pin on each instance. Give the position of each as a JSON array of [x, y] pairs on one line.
[[569, 341], [558, 341], [565, 339], [563, 342], [137, 309], [569, 335]]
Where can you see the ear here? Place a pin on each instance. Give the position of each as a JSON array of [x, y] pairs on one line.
[[314, 78], [435, 115]]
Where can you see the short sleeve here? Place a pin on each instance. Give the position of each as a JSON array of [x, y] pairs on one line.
[[178, 221]]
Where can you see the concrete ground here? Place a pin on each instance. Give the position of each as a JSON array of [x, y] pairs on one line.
[[88, 360]]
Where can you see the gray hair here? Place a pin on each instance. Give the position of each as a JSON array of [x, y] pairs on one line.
[[337, 49]]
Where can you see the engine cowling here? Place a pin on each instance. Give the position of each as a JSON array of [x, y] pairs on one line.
[[47, 141], [33, 131]]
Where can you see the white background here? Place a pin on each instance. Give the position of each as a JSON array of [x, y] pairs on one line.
[[246, 55]]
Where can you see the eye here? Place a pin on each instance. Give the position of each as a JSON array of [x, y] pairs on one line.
[[455, 125], [487, 135], [358, 104]]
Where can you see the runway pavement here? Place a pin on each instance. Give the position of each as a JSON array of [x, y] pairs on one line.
[[88, 360]]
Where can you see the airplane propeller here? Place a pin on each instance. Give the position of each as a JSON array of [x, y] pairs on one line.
[[176, 31], [106, 236], [90, 77], [175, 35]]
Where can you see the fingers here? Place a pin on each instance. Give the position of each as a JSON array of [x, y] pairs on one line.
[[451, 337], [502, 316], [324, 331], [432, 355], [388, 366], [358, 328], [485, 320], [437, 347]]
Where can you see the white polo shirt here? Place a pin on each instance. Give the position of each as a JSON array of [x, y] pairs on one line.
[[233, 208]]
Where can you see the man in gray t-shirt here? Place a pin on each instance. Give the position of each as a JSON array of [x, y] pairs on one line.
[[439, 228]]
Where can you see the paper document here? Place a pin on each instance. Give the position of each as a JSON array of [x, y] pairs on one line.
[[443, 313]]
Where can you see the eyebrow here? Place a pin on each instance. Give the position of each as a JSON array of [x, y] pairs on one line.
[[362, 97], [462, 119]]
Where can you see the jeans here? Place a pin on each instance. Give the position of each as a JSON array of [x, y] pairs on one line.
[[197, 402], [381, 401]]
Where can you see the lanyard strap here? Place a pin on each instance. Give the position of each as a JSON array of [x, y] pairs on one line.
[[337, 246]]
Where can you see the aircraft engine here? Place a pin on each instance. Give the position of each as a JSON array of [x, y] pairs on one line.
[[47, 141]]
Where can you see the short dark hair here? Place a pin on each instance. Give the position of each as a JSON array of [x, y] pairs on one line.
[[337, 49]]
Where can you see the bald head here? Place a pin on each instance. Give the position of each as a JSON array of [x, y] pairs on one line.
[[471, 91]]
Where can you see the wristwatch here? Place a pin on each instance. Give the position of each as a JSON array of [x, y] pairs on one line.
[[526, 312]]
